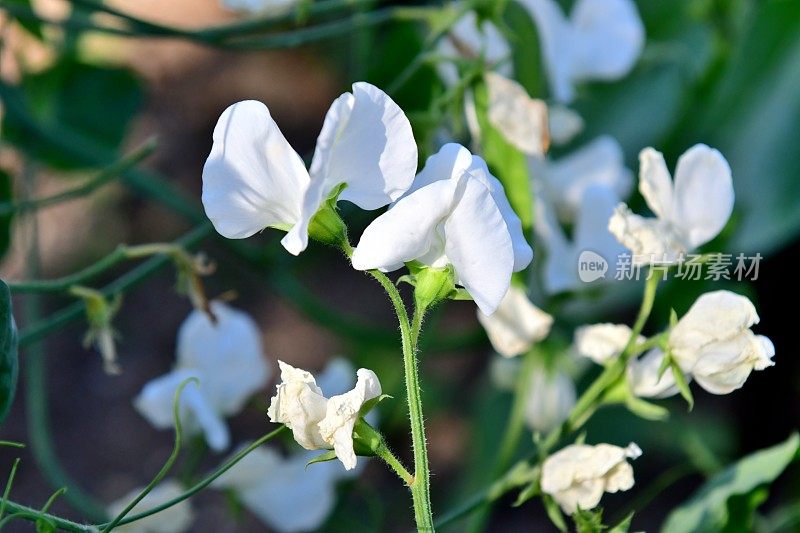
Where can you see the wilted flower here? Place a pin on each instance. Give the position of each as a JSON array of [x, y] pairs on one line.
[[226, 358], [578, 475], [601, 40], [713, 342], [253, 179], [456, 213], [516, 325], [522, 120], [690, 212], [175, 519], [551, 397], [285, 493], [318, 422]]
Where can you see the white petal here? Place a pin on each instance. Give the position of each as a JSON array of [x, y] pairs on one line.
[[522, 120], [479, 246], [703, 194], [650, 240], [643, 376], [551, 397], [227, 356], [559, 272], [300, 405], [591, 228], [366, 142], [516, 325], [252, 178], [655, 182], [175, 519], [610, 38], [724, 366], [558, 46], [602, 342], [470, 40], [449, 163], [342, 414], [408, 230], [565, 124]]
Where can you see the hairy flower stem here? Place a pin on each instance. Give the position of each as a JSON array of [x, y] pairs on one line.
[[420, 486]]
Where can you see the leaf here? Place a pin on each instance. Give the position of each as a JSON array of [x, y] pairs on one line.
[[9, 363], [624, 526], [530, 491], [707, 509], [646, 410], [6, 195], [322, 458], [680, 381], [554, 512], [588, 521], [507, 163]]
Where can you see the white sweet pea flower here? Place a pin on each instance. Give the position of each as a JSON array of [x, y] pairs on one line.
[[560, 269], [602, 342], [470, 40], [565, 124], [713, 342], [601, 40], [522, 120], [551, 397], [601, 162], [283, 492], [644, 380], [265, 8], [226, 358], [690, 212], [253, 179], [316, 421], [578, 475], [175, 519], [516, 325], [456, 213]]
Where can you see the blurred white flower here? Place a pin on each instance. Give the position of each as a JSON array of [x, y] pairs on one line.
[[602, 342], [601, 40], [516, 325], [283, 492], [565, 124], [690, 212], [643, 376], [578, 475], [267, 8], [503, 372], [551, 397], [253, 179], [175, 519], [713, 342], [318, 422], [469, 40], [456, 213], [227, 359], [522, 120], [590, 234], [601, 162]]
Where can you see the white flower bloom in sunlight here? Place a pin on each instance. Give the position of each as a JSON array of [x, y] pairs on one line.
[[565, 124], [690, 212], [602, 342], [713, 342], [316, 421], [601, 162], [601, 40], [522, 120], [516, 325], [551, 397], [467, 39], [560, 270], [175, 519], [269, 8], [283, 492], [253, 179], [578, 475], [456, 213], [643, 376], [228, 361]]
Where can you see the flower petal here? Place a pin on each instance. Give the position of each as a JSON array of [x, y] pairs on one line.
[[252, 178], [643, 376], [522, 120], [655, 182], [300, 405], [650, 240], [516, 325], [558, 46], [703, 194], [602, 342]]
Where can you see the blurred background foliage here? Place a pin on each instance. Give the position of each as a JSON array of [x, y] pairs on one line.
[[74, 100]]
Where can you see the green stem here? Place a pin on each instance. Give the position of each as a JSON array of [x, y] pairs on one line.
[[516, 419], [420, 487], [394, 463], [17, 511], [7, 490]]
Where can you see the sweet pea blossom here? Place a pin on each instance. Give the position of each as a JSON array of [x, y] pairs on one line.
[[713, 342], [253, 179], [601, 40], [468, 38], [551, 397], [522, 120], [456, 213], [578, 475], [602, 342], [318, 422], [516, 325], [285, 493], [175, 519], [690, 212], [226, 358]]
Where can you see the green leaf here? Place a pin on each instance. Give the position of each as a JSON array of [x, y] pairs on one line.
[[530, 491], [707, 509], [554, 512], [680, 381], [6, 195], [624, 526], [322, 458], [507, 163], [588, 521], [646, 410], [9, 363]]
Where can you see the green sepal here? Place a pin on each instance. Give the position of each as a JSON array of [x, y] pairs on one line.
[[554, 512], [326, 226], [330, 455], [433, 285], [371, 403], [366, 439], [645, 409]]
